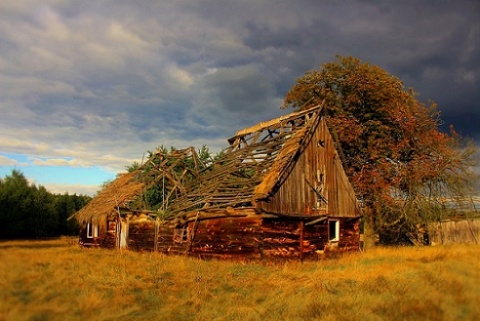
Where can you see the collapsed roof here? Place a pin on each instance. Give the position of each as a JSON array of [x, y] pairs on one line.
[[257, 161], [250, 170]]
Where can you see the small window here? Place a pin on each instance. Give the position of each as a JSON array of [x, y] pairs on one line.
[[92, 230], [333, 230]]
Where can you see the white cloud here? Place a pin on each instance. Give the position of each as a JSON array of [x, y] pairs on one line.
[[14, 145], [58, 162], [73, 189], [6, 161]]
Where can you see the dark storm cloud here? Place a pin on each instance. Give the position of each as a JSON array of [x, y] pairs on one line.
[[117, 78], [244, 89], [439, 58]]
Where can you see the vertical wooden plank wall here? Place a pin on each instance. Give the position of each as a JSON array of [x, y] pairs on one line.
[[319, 158], [465, 231]]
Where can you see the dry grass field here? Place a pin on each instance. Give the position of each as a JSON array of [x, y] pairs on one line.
[[57, 280]]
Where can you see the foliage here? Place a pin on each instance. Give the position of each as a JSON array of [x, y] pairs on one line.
[[30, 211], [56, 280], [401, 165], [133, 167], [168, 171]]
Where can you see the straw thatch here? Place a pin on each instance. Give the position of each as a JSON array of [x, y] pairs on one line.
[[118, 194], [169, 169]]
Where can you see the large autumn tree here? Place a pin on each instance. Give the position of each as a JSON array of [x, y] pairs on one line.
[[401, 164]]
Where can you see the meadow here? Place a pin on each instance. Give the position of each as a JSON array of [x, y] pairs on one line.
[[57, 280]]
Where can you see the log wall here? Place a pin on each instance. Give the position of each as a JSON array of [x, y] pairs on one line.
[[109, 240], [294, 239], [246, 238], [249, 237], [141, 236], [349, 234], [171, 241], [226, 237]]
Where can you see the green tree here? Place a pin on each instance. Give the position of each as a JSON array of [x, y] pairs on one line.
[[398, 160], [65, 206], [42, 215], [132, 167], [30, 211], [167, 172], [15, 198], [182, 168]]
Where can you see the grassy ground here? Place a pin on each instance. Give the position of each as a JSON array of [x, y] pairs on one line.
[[56, 280]]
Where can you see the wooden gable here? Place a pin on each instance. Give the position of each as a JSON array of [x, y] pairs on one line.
[[317, 183]]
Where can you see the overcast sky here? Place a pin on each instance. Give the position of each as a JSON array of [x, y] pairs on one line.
[[86, 87]]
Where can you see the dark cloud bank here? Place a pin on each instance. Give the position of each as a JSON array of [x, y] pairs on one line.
[[117, 78]]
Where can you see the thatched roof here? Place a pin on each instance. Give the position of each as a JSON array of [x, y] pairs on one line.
[[170, 169], [118, 194]]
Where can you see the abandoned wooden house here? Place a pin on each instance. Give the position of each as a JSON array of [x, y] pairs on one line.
[[278, 190]]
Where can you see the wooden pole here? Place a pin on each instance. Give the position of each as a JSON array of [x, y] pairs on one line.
[[302, 234], [155, 241]]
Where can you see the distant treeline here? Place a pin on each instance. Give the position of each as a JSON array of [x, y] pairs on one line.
[[30, 211]]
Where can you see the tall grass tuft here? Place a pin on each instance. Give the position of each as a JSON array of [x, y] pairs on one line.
[[56, 280]]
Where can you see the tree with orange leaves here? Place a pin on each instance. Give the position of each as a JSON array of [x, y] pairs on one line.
[[400, 163]]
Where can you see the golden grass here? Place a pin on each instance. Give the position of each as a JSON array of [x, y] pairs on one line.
[[56, 280]]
